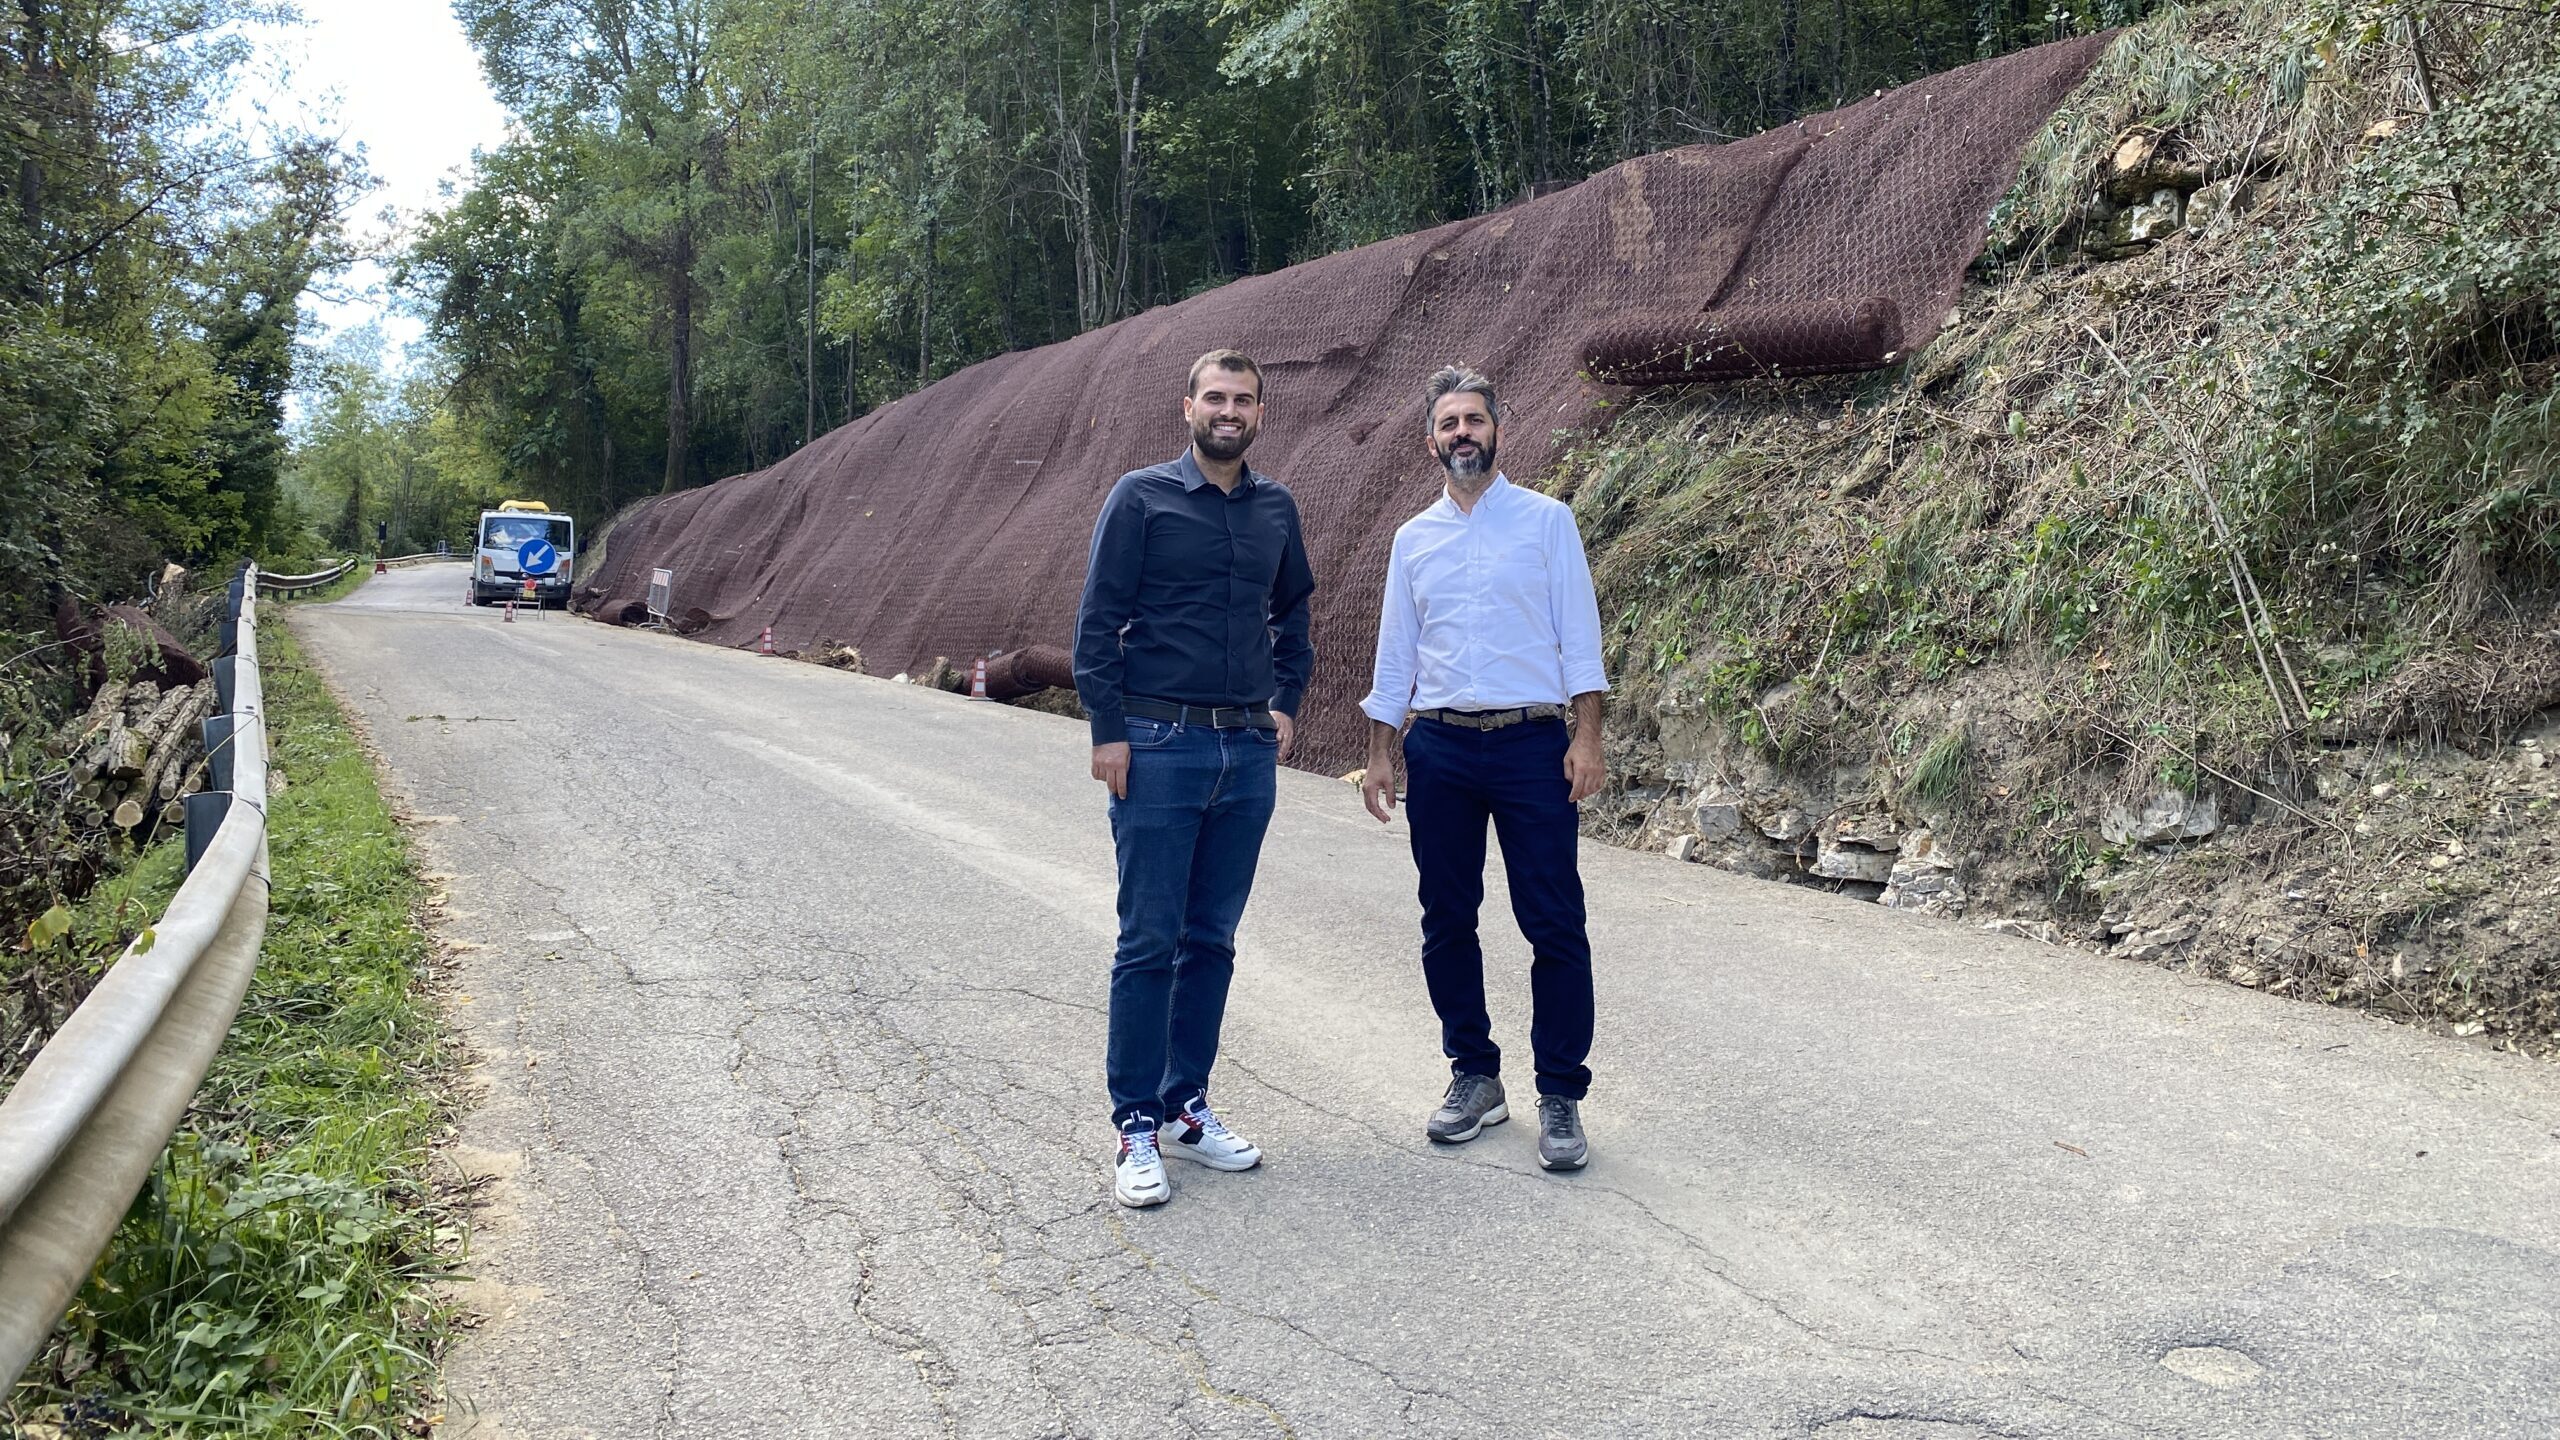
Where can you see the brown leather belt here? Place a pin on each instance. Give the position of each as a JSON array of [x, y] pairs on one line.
[[1492, 719]]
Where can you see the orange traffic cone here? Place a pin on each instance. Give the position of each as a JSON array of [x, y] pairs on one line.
[[764, 643], [379, 568], [511, 612], [978, 679]]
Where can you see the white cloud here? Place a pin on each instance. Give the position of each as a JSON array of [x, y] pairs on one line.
[[398, 78]]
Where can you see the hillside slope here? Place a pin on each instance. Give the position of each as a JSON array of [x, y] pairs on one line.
[[955, 522], [2193, 595]]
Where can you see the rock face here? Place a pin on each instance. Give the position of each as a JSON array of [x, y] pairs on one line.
[[1923, 878], [2165, 819], [1718, 817], [2142, 195], [2157, 218]]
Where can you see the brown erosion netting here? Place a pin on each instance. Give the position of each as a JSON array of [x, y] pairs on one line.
[[955, 521]]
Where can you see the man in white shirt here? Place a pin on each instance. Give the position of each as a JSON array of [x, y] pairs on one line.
[[1489, 634]]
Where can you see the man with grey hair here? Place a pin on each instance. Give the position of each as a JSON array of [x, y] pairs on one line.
[[1488, 638]]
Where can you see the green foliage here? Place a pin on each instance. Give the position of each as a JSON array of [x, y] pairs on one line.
[[2407, 356], [151, 263], [725, 228], [272, 1279], [1938, 779]]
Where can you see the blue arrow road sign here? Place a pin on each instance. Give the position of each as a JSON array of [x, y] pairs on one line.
[[537, 557]]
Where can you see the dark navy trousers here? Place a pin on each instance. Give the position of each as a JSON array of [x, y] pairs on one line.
[[1456, 781]]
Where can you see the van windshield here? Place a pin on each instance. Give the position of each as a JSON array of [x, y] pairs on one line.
[[513, 532]]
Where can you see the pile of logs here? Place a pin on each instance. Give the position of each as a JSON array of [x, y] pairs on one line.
[[139, 751]]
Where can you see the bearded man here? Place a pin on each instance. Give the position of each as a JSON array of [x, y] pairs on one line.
[[1488, 643], [1191, 656]]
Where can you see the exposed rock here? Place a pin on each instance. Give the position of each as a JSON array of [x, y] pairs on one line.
[[1786, 825], [2153, 945], [2146, 161], [2169, 817], [1719, 817], [1930, 891], [1923, 877], [2157, 218], [1853, 862], [2217, 206], [1636, 803], [1683, 848], [2044, 930], [1876, 832]]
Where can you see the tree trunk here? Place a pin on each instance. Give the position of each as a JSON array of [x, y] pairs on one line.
[[1541, 131], [809, 332], [1790, 15], [924, 306], [680, 364], [1125, 199]]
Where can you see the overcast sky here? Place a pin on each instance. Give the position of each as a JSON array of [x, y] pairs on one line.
[[397, 77]]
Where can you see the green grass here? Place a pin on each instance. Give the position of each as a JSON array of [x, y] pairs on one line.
[[274, 1278]]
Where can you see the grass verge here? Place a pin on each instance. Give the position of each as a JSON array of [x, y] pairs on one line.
[[275, 1276]]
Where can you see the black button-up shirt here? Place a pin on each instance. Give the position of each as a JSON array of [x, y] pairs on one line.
[[1193, 595]]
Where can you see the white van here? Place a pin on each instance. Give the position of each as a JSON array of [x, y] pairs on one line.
[[522, 541]]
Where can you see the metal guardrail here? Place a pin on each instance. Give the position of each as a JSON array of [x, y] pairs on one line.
[[80, 1131], [288, 584], [295, 584]]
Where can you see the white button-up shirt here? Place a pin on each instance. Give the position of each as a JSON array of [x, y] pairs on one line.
[[1486, 611]]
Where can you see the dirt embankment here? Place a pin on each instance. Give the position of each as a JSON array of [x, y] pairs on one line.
[[2083, 624]]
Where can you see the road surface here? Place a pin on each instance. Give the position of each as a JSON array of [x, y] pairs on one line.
[[785, 989]]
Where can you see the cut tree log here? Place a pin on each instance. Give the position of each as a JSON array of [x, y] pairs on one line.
[[170, 732], [120, 754], [128, 813], [108, 701]]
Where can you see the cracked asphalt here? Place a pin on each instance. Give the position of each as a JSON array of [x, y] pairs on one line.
[[784, 988]]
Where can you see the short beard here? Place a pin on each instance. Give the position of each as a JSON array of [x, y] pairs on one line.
[[1468, 467], [1214, 447]]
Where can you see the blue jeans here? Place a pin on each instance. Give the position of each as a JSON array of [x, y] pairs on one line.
[[1188, 836], [1456, 780]]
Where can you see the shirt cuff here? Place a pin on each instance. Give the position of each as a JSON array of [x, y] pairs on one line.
[[1287, 702], [1110, 727], [1384, 710]]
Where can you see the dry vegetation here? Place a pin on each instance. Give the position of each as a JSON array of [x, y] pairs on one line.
[[2243, 500]]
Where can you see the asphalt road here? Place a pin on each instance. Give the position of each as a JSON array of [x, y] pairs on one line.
[[786, 992]]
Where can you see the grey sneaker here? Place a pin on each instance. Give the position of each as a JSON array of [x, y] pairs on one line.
[[1473, 1102], [1560, 1142]]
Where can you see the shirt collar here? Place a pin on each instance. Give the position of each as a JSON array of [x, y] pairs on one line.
[[1187, 470], [1501, 483]]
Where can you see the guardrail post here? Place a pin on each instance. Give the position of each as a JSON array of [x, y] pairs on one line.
[[228, 641], [217, 752], [226, 682], [205, 812]]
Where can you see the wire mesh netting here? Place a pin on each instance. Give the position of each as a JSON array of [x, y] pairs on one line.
[[955, 521]]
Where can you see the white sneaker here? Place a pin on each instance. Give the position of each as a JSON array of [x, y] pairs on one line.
[[1139, 1180], [1197, 1134]]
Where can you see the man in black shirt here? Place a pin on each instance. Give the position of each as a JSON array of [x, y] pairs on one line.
[[1191, 656]]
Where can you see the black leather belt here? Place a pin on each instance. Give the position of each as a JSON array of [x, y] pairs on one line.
[[1493, 719], [1216, 717]]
